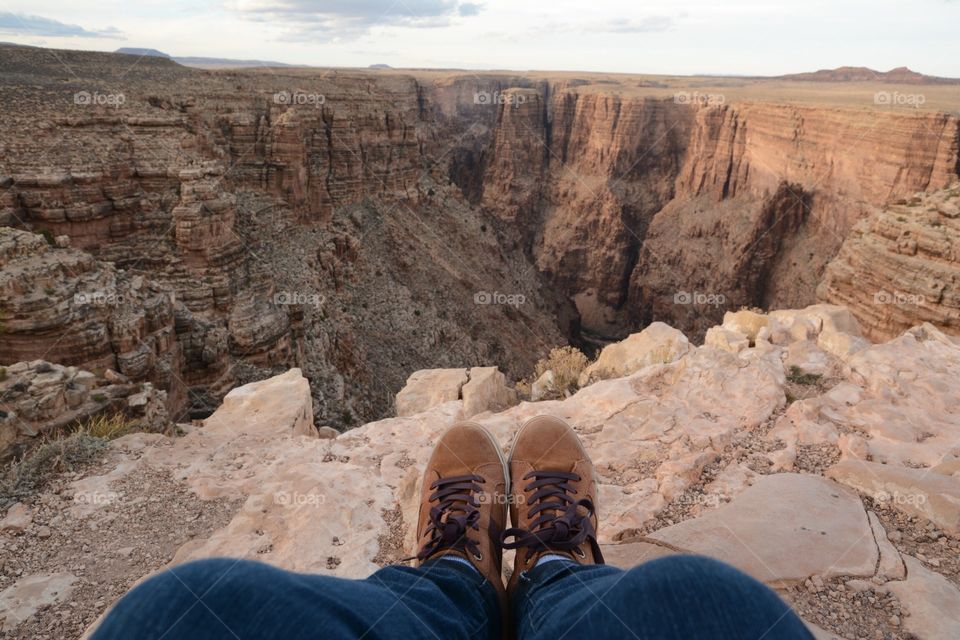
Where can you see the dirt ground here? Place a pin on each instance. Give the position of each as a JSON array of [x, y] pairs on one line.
[[138, 529]]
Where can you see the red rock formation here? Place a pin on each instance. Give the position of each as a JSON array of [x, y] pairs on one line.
[[389, 196], [65, 306], [901, 267], [734, 232]]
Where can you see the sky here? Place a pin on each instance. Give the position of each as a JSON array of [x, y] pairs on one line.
[[741, 37]]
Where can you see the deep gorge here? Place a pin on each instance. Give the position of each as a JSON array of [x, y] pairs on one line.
[[384, 212]]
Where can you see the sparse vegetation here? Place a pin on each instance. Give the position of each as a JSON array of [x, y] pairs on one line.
[[798, 376], [30, 474], [566, 363], [107, 426], [60, 454], [48, 236]]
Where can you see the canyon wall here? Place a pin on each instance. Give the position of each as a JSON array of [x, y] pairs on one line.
[[290, 221], [365, 225], [635, 202], [901, 266]]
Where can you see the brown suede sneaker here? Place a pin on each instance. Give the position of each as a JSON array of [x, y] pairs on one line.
[[463, 508], [552, 498]]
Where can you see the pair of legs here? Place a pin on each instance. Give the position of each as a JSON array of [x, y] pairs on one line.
[[682, 597], [559, 588]]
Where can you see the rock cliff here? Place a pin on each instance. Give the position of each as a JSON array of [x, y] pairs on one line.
[[802, 453], [901, 264], [363, 225]]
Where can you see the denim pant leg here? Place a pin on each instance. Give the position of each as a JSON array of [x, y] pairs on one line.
[[226, 599], [679, 597]]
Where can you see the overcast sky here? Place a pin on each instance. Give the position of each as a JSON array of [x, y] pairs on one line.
[[679, 36]]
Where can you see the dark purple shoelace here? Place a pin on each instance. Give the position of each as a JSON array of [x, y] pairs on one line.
[[561, 522], [456, 512]]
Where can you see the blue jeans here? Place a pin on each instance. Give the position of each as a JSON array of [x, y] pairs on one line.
[[682, 597]]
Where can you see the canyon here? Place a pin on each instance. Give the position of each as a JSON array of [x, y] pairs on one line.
[[199, 230], [285, 283]]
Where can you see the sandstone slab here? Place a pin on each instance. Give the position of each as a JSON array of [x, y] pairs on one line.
[[23, 598], [486, 390], [279, 404], [784, 529], [920, 492], [890, 566], [657, 344], [726, 339], [746, 322], [933, 602], [18, 518], [626, 555], [428, 388]]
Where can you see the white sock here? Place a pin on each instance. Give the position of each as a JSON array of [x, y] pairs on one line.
[[452, 558], [550, 557]]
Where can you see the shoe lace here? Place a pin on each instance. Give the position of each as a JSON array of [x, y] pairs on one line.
[[562, 523], [455, 513]]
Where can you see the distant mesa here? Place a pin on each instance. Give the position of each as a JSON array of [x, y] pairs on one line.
[[900, 75], [138, 51], [201, 62], [380, 65]]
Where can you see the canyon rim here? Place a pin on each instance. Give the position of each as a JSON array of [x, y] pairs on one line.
[[262, 290]]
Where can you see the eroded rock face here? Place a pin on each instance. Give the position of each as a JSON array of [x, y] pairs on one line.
[[63, 305], [385, 206], [321, 233], [657, 344], [39, 398], [480, 388], [901, 266]]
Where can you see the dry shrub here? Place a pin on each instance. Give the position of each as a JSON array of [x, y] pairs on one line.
[[566, 363], [26, 477], [106, 426], [61, 453]]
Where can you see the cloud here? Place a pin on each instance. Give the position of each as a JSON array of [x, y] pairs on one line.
[[651, 24], [26, 25], [345, 19]]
